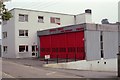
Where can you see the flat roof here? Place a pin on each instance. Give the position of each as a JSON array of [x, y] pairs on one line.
[[79, 27], [41, 11]]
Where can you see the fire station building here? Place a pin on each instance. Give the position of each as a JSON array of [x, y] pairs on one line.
[[31, 33]]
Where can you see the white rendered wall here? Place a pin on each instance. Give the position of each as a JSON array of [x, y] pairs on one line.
[[83, 18], [10, 40], [33, 26]]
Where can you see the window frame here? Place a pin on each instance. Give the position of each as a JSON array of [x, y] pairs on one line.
[[25, 33], [5, 48], [40, 19], [55, 20], [4, 34], [25, 48], [23, 18]]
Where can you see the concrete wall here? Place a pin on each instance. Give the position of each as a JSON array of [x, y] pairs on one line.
[[110, 44], [96, 65], [92, 45]]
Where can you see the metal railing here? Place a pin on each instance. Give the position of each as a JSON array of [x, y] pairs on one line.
[[58, 59]]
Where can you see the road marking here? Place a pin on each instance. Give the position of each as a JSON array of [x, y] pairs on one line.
[[9, 76], [50, 73]]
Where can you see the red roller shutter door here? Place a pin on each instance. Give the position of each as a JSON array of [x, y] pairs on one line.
[[58, 45], [44, 46], [62, 45], [54, 46], [80, 52], [71, 45]]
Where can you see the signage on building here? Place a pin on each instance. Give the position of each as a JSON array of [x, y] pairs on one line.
[[47, 56]]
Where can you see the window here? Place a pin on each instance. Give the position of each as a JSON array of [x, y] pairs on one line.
[[4, 48], [23, 48], [55, 20], [102, 55], [101, 42], [23, 32], [23, 18], [40, 19], [4, 35]]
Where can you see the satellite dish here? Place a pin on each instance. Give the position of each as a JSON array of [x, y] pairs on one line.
[[105, 21]]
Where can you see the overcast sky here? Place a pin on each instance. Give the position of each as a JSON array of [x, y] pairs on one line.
[[100, 8]]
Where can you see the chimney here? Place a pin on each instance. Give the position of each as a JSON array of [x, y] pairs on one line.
[[88, 11], [84, 17]]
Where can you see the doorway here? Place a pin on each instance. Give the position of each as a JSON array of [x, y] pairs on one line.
[[34, 51]]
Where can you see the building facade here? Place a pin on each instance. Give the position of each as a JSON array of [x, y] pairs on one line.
[[94, 45], [86, 41], [19, 34]]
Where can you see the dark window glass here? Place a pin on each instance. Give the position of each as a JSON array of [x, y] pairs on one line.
[[26, 48], [101, 45], [26, 32], [21, 32], [102, 55], [40, 19], [23, 48]]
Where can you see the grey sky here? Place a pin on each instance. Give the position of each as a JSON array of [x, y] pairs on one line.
[[100, 8]]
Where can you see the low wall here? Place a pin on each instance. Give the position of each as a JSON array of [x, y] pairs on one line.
[[97, 65]]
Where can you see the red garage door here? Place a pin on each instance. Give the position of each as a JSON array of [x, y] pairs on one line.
[[61, 45], [80, 51], [45, 46]]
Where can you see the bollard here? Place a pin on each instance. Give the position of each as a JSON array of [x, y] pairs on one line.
[[46, 61], [66, 57], [75, 56], [57, 58]]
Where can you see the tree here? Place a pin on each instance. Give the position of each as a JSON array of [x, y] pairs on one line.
[[4, 13]]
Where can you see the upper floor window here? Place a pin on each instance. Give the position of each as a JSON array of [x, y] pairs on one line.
[[23, 32], [4, 48], [55, 20], [4, 35], [23, 18], [40, 19]]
